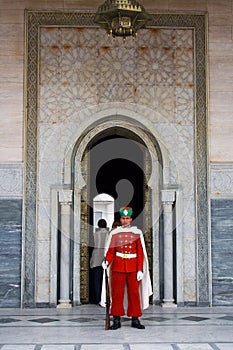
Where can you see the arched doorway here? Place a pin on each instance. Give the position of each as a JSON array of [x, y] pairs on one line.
[[116, 161], [117, 167]]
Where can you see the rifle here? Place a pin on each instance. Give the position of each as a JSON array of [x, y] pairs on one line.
[[107, 318]]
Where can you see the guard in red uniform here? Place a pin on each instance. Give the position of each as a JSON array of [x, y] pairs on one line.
[[125, 256]]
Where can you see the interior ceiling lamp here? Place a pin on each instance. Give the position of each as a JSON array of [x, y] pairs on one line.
[[122, 17]]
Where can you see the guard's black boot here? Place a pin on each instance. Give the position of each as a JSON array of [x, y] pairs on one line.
[[136, 323], [116, 322]]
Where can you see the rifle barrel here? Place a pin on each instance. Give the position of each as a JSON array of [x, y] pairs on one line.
[[107, 319]]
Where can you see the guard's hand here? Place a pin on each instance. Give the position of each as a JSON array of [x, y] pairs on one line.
[[139, 275], [104, 265]]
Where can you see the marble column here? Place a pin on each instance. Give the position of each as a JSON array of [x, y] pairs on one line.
[[168, 198], [65, 200]]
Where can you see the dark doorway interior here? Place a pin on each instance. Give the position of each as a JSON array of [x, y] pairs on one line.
[[111, 173], [117, 168]]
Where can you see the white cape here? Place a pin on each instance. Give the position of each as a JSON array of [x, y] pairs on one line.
[[145, 288]]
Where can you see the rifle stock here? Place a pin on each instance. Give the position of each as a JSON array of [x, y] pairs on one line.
[[107, 316]]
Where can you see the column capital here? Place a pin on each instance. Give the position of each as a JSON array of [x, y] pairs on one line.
[[168, 196], [65, 197]]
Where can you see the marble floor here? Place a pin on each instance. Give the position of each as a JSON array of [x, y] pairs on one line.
[[83, 328]]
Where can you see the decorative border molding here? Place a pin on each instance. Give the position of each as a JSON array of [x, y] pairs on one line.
[[11, 181], [221, 180], [34, 20]]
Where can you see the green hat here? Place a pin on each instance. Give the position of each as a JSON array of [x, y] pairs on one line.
[[126, 211]]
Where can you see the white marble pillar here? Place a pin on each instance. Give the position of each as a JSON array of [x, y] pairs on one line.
[[168, 198], [65, 199]]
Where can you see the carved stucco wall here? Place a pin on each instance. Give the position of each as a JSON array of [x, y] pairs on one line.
[[222, 180], [83, 76], [11, 181]]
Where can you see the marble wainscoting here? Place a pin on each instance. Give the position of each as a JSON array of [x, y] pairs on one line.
[[10, 252], [222, 251]]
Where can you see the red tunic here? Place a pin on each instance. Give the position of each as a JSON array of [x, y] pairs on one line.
[[124, 272]]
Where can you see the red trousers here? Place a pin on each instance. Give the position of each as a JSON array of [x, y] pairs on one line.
[[118, 282]]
